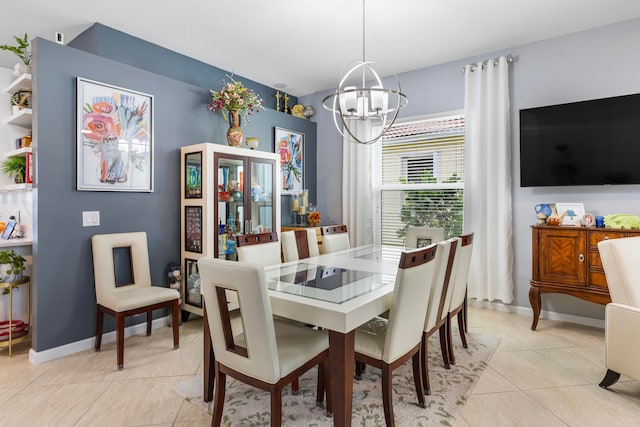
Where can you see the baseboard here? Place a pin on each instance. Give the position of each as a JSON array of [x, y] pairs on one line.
[[37, 357], [551, 315]]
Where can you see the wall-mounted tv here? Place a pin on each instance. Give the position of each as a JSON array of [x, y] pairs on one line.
[[594, 142]]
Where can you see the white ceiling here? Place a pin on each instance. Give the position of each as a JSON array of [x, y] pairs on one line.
[[306, 44]]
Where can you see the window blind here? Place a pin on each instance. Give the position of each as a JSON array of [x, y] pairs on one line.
[[422, 177]]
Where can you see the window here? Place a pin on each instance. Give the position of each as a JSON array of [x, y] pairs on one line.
[[422, 178]]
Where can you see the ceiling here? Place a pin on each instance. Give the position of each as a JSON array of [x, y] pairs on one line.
[[302, 46]]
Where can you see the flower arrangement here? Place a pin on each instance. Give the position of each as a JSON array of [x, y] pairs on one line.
[[313, 218], [234, 96]]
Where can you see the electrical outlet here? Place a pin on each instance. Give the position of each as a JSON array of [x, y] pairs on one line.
[[90, 218], [59, 38]]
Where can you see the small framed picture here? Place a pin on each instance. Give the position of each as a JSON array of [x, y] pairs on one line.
[[589, 220], [571, 213]]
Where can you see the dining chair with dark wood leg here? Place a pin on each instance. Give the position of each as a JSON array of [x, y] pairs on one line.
[[267, 353], [388, 344], [458, 303]]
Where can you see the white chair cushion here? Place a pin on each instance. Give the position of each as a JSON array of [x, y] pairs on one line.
[[370, 337], [134, 296]]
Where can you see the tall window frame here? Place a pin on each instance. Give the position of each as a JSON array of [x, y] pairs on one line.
[[421, 176]]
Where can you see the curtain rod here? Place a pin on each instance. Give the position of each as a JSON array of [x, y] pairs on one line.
[[510, 59]]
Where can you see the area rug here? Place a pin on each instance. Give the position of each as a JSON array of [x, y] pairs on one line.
[[248, 406]]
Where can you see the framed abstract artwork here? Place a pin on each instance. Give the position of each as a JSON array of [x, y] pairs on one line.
[[290, 145], [114, 138]]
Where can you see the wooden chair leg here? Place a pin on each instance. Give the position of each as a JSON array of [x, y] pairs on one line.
[[320, 384], [425, 363], [461, 328], [295, 386], [218, 401], [417, 378], [276, 407], [444, 346], [149, 320], [120, 339], [360, 367], [387, 400], [449, 335], [175, 313], [99, 323]]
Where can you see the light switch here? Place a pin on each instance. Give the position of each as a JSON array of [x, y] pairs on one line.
[[90, 218]]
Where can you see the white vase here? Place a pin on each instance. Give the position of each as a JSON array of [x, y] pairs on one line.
[[6, 277], [20, 69]]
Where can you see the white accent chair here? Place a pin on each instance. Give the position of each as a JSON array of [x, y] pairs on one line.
[[417, 237], [458, 304], [128, 299], [259, 248], [387, 344], [299, 244], [621, 263], [267, 354], [334, 238]]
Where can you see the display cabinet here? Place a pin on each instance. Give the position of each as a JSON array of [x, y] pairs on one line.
[[225, 191]]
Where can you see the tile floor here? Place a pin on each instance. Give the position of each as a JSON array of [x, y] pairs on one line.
[[544, 378]]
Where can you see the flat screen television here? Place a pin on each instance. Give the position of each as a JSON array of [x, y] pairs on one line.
[[594, 142]]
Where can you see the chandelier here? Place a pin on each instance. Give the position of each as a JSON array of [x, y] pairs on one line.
[[361, 97]]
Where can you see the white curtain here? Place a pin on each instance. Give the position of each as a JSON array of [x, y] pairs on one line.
[[487, 189], [359, 180]]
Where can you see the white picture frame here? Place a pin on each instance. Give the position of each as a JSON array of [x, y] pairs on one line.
[[114, 138], [575, 212]]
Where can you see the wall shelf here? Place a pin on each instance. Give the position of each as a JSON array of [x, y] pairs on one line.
[[20, 152], [16, 187], [21, 118], [23, 82]]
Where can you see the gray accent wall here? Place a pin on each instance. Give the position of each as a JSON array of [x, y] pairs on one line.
[[63, 287], [599, 63]]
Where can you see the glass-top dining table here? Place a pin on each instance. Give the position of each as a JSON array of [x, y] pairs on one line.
[[338, 292]]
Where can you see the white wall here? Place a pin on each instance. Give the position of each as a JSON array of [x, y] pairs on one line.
[[598, 63]]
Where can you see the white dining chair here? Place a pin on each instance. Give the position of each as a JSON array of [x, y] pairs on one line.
[[133, 297], [268, 354], [417, 237], [436, 318], [299, 244], [458, 302], [258, 248], [387, 344], [334, 238]]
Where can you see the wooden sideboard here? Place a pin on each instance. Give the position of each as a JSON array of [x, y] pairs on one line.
[[566, 260]]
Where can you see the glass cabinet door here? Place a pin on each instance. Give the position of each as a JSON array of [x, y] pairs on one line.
[[261, 205], [230, 204]]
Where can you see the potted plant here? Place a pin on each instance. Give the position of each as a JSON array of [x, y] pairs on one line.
[[22, 51], [11, 266], [14, 167]]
